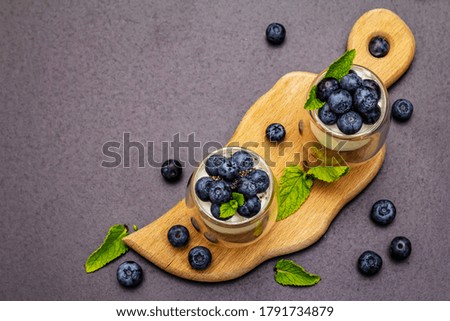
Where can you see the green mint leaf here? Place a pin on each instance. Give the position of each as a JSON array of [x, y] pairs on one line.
[[337, 69], [341, 66], [234, 204], [239, 198], [111, 248], [313, 102], [328, 173], [227, 210], [289, 273], [135, 227], [295, 187]]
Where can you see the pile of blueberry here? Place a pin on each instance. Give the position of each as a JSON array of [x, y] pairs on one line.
[[228, 175], [349, 102]]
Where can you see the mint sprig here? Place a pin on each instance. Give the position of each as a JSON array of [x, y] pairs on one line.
[[342, 65], [296, 184], [338, 69], [290, 273], [229, 209], [111, 248]]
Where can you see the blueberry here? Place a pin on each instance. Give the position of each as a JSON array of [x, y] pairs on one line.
[[369, 83], [178, 236], [215, 211], [129, 274], [199, 257], [372, 116], [402, 109], [378, 47], [220, 192], [350, 123], [350, 82], [250, 207], [243, 160], [326, 115], [340, 101], [202, 188], [171, 170], [369, 263], [365, 99], [229, 170], [400, 248], [261, 179], [247, 187], [275, 132], [325, 87], [213, 163], [383, 212], [275, 33]]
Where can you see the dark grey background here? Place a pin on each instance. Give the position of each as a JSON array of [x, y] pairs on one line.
[[76, 75]]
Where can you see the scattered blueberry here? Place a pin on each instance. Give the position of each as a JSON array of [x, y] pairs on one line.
[[325, 87], [383, 212], [326, 115], [275, 33], [247, 187], [372, 116], [243, 160], [250, 207], [400, 248], [261, 179], [365, 99], [213, 163], [340, 101], [402, 109], [275, 132], [229, 170], [178, 236], [171, 170], [215, 211], [378, 47], [372, 84], [199, 257], [220, 192], [350, 123], [129, 274], [202, 188], [350, 82], [369, 263]]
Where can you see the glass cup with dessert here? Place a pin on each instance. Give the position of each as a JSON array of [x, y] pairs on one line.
[[233, 192], [355, 119]]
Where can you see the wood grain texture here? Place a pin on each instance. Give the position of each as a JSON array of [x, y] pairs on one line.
[[283, 104]]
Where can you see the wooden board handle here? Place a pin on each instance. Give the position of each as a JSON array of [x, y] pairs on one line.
[[384, 23]]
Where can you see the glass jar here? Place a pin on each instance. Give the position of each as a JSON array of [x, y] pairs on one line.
[[367, 141], [238, 230]]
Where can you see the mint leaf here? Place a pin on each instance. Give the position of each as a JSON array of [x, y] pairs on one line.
[[111, 248], [313, 102], [239, 198], [289, 273], [328, 173], [337, 69], [295, 187], [227, 210], [341, 66]]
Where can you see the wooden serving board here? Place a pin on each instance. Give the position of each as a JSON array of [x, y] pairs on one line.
[[284, 104]]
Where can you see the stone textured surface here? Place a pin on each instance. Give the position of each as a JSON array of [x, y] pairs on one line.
[[76, 75]]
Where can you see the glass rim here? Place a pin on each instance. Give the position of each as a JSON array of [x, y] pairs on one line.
[[246, 222], [358, 136]]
